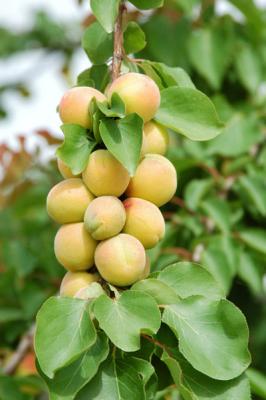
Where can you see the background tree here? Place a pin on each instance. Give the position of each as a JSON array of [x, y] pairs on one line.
[[218, 215]]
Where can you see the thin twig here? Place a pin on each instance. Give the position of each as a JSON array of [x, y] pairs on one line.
[[118, 54], [24, 345]]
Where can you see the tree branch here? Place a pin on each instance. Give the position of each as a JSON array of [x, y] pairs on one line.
[[118, 53], [24, 345]]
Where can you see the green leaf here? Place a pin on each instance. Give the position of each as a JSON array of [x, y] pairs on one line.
[[208, 334], [162, 293], [251, 273], [116, 109], [195, 191], [237, 138], [257, 382], [96, 76], [249, 67], [9, 389], [189, 112], [254, 238], [188, 279], [134, 38], [97, 43], [116, 380], [147, 4], [8, 314], [106, 12], [125, 318], [218, 210], [70, 380], [76, 148], [173, 76], [123, 138], [252, 13], [196, 386], [254, 191], [210, 51], [64, 331]]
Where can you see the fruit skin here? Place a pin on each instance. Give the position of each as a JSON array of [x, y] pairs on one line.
[[65, 171], [147, 268], [139, 92], [105, 217], [144, 221], [155, 180], [74, 247], [74, 281], [120, 260], [67, 201], [155, 139], [74, 105], [27, 365], [104, 175]]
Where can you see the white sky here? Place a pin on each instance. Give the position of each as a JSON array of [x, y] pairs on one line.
[[44, 79]]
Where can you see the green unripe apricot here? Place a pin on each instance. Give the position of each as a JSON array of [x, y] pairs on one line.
[[139, 92], [75, 104], [74, 247], [104, 175], [155, 139], [105, 217], [74, 281], [67, 201], [144, 221], [120, 260], [155, 180]]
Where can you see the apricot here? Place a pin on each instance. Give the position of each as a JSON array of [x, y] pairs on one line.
[[104, 175], [74, 105], [144, 221], [120, 260], [147, 268], [67, 201], [105, 217], [74, 281], [155, 139], [65, 171], [155, 180], [139, 92], [74, 247]]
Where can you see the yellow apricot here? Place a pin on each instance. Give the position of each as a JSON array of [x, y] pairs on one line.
[[74, 281], [139, 92], [144, 221], [65, 171], [155, 180], [74, 105], [74, 247], [104, 175], [120, 260], [147, 268], [67, 201], [155, 139], [105, 217]]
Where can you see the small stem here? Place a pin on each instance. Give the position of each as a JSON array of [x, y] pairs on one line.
[[118, 53]]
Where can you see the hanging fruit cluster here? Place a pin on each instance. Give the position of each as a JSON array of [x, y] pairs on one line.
[[109, 218]]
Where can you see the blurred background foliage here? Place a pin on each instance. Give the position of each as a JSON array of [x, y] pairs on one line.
[[218, 215]]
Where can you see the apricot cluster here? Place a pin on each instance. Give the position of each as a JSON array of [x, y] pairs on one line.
[[109, 219]]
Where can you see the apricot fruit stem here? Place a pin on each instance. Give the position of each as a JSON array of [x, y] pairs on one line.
[[118, 53]]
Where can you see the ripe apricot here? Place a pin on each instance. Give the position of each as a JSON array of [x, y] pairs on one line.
[[104, 175], [144, 221], [75, 104], [64, 170], [74, 281], [67, 201], [105, 217], [139, 92], [120, 260], [155, 180], [74, 247], [155, 139]]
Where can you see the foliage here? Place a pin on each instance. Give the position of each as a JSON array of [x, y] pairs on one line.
[[217, 219]]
